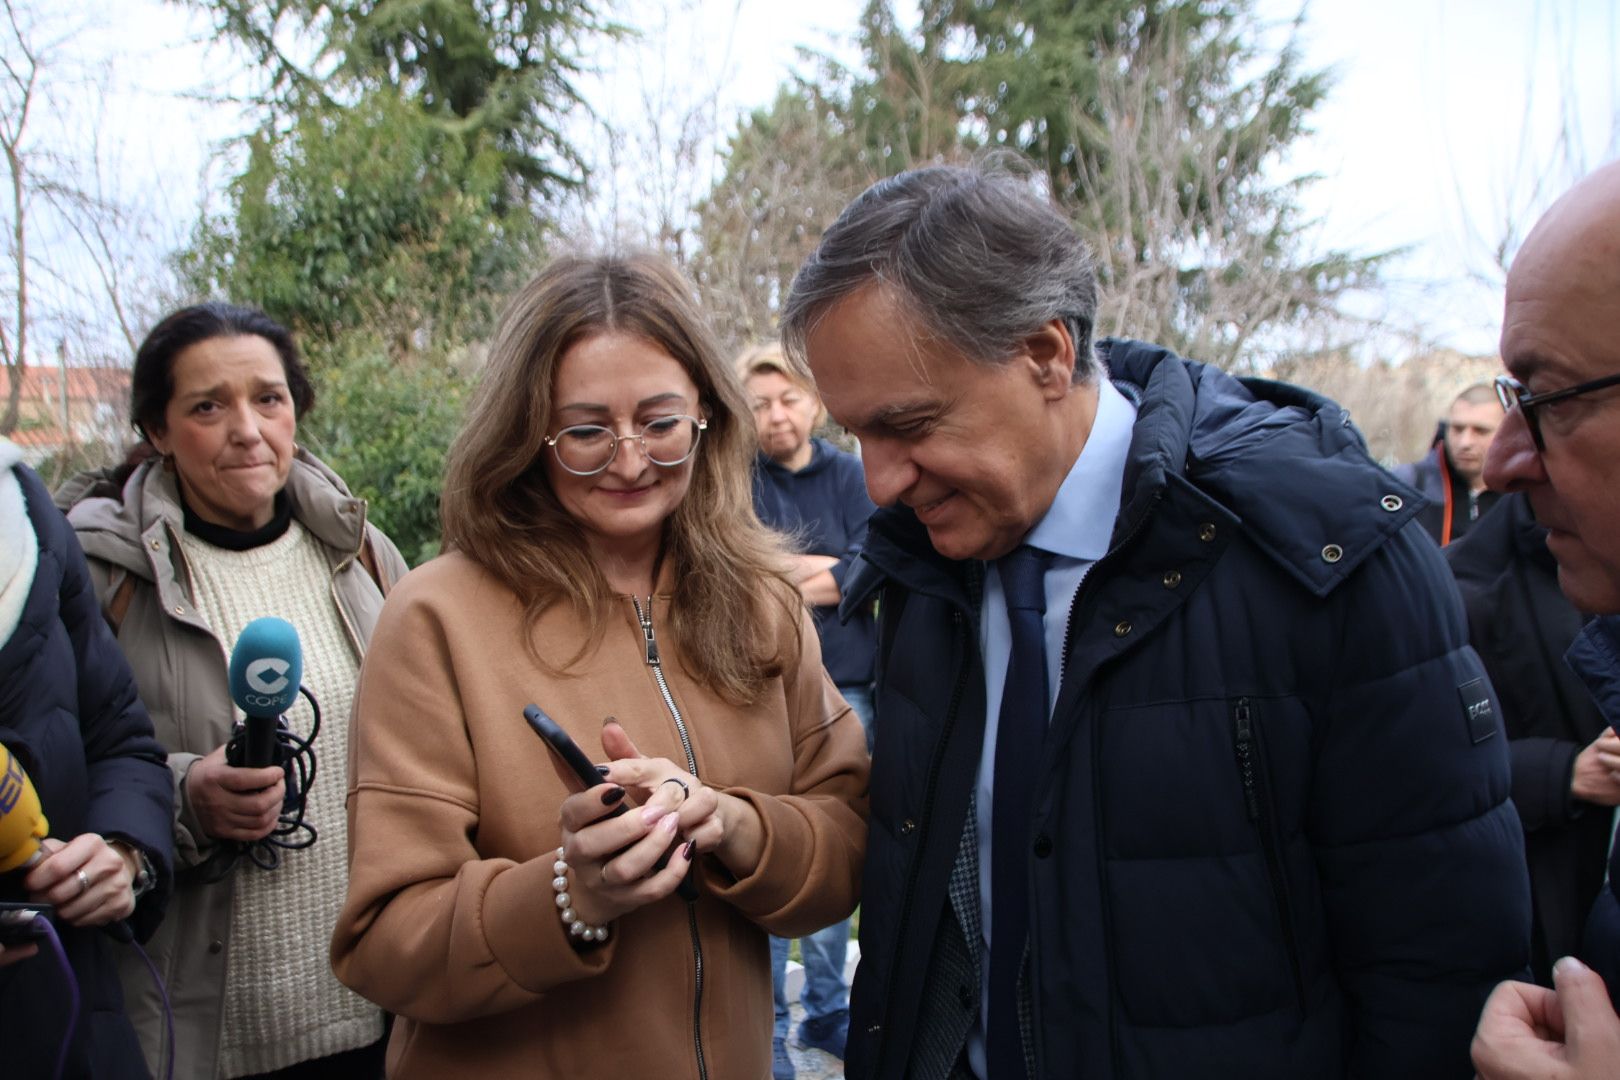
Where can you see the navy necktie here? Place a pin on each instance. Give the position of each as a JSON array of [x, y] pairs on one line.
[[1021, 728]]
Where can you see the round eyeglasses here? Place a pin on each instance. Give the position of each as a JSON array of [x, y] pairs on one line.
[[587, 449]]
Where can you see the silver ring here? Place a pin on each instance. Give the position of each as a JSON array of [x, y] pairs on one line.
[[686, 792], [84, 882]]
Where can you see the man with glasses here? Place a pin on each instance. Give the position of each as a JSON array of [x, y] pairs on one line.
[[1560, 445], [1185, 767]]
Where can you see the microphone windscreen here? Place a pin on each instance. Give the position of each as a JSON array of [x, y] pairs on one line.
[[266, 667], [22, 819]]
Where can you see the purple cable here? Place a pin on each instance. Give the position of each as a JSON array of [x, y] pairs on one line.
[[168, 1013], [49, 933]]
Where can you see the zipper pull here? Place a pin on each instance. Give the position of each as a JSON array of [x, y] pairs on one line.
[[1243, 737], [647, 633]]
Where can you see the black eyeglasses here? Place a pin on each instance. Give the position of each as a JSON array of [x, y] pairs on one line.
[[1512, 394]]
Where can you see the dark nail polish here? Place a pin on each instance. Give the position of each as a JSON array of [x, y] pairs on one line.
[[612, 795], [688, 849], [603, 769]]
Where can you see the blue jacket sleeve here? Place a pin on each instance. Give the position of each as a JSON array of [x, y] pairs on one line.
[[130, 791], [1420, 850]]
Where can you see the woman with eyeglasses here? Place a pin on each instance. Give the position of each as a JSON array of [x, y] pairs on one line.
[[603, 562]]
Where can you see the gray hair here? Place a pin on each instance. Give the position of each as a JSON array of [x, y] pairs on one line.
[[975, 252]]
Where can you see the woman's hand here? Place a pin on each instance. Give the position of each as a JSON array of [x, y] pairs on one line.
[[713, 821], [611, 861], [88, 880], [233, 803], [659, 782]]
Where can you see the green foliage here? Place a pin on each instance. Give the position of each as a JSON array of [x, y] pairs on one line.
[[393, 195], [1159, 125], [499, 72], [386, 428], [367, 218]]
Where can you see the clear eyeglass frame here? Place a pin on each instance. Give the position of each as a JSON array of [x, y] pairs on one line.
[[699, 426]]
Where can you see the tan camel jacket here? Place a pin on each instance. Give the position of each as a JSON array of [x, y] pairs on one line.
[[450, 920]]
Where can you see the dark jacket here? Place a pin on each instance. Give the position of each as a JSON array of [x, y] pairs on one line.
[[1273, 833], [824, 510], [1595, 657], [70, 714], [1452, 509], [1521, 624]]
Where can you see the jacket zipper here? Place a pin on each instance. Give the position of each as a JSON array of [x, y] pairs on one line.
[[644, 615], [1257, 803], [1097, 805]]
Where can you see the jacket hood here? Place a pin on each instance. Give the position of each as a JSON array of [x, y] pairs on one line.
[[1286, 462], [112, 527]]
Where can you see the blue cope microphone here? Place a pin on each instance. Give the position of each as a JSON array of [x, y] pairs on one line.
[[267, 666]]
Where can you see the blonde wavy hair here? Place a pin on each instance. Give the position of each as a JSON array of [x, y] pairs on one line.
[[498, 507], [768, 358]]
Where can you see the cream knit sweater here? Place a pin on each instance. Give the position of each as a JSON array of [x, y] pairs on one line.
[[282, 1003]]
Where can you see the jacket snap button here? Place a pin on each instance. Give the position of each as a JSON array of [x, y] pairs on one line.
[[1206, 532], [155, 545], [216, 946], [178, 610], [907, 827], [1043, 846], [1391, 503], [1172, 578], [1121, 629], [1332, 553]]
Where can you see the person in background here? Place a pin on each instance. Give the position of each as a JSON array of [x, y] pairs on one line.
[[224, 519], [815, 494], [1183, 763], [1521, 625], [1559, 445], [604, 562], [70, 718], [1451, 475]]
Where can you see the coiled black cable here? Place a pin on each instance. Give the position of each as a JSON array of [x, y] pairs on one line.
[[296, 755]]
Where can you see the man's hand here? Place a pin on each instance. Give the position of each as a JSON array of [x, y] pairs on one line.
[[1596, 776], [1532, 1033]]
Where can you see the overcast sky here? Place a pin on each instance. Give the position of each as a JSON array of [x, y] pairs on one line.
[[1444, 115]]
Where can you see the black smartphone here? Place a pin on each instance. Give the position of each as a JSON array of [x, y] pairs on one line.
[[19, 923], [569, 753]]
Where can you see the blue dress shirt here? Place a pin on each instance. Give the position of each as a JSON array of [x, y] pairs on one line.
[[1076, 529]]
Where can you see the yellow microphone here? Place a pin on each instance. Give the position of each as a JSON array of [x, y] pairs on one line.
[[22, 819]]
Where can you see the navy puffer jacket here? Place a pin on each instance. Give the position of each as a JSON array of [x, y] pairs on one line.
[[1272, 828], [70, 715]]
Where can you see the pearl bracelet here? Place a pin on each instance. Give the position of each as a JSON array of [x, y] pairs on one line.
[[565, 907]]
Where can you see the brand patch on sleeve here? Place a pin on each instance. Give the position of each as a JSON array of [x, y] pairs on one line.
[[1478, 709]]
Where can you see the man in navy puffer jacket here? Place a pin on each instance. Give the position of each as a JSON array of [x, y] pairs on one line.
[[1261, 828]]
